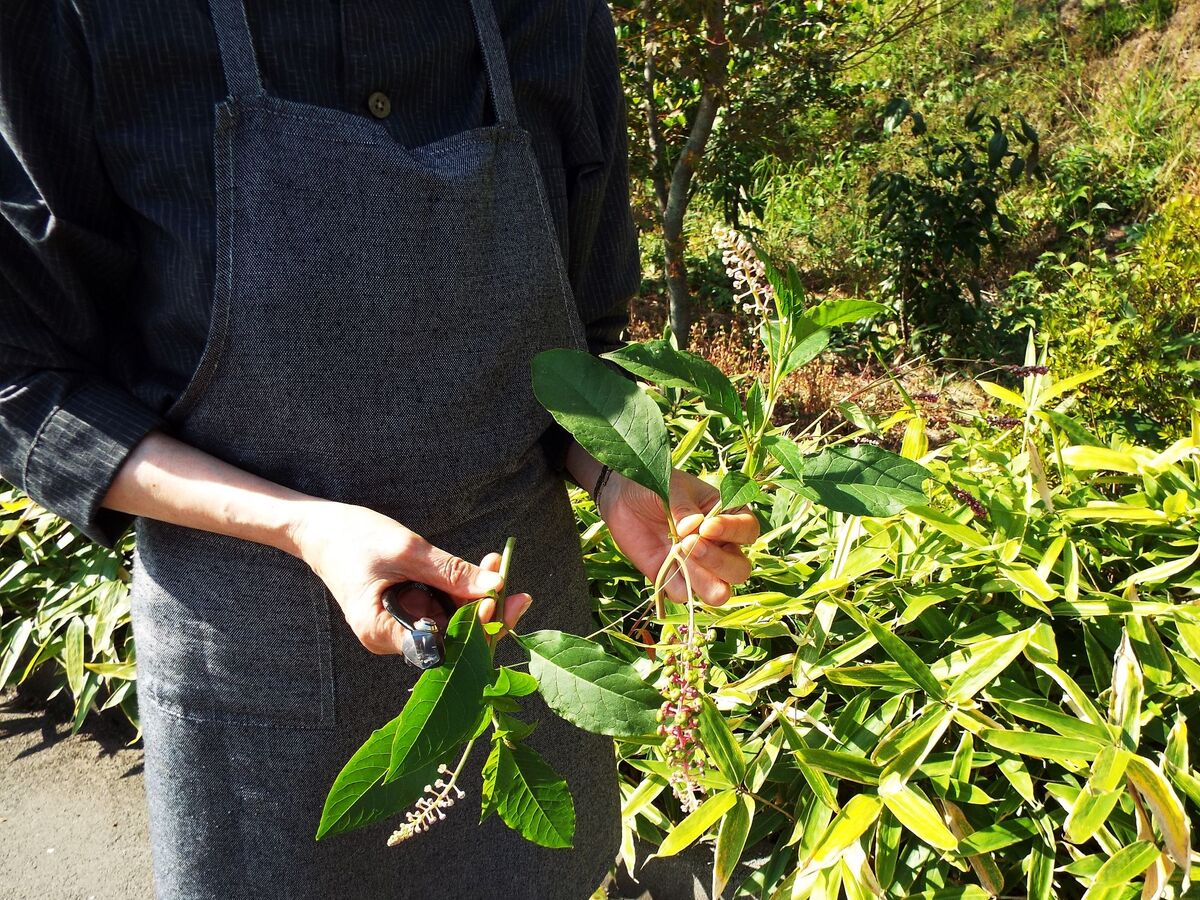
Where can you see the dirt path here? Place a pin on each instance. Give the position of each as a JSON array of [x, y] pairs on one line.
[[72, 812]]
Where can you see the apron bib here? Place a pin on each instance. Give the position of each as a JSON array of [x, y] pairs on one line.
[[376, 310]]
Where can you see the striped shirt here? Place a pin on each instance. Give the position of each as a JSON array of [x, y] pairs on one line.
[[106, 208]]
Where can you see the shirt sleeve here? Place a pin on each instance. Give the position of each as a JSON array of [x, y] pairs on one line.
[[605, 260], [66, 425]]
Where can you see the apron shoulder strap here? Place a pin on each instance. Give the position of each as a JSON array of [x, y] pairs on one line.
[[495, 60], [242, 77]]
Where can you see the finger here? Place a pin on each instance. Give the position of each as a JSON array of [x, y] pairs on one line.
[[491, 562], [705, 585], [725, 561], [515, 606], [377, 631], [449, 573], [731, 527], [686, 513], [708, 587]]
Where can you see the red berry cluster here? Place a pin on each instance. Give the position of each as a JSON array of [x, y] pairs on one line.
[[679, 717]]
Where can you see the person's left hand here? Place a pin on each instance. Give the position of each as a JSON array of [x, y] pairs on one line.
[[715, 560]]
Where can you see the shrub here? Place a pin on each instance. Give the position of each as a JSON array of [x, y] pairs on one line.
[[1136, 315], [935, 220], [64, 610]]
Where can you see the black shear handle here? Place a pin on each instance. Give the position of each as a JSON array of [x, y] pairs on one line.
[[421, 642]]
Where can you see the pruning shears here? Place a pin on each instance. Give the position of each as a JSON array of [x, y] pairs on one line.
[[422, 643]]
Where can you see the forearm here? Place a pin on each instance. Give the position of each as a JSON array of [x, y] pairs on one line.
[[584, 467], [166, 479]]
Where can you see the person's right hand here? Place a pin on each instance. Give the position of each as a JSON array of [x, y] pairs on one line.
[[359, 553]]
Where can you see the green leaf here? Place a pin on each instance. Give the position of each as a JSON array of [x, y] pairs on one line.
[[720, 743], [359, 795], [917, 813], [848, 826], [808, 348], [861, 480], [697, 823], [840, 312], [1125, 707], [989, 659], [849, 766], [1125, 865], [660, 363], [610, 416], [731, 841], [997, 837], [739, 489], [1098, 797], [73, 656], [1041, 745], [511, 683], [1165, 807], [528, 795], [588, 687], [444, 706], [894, 647]]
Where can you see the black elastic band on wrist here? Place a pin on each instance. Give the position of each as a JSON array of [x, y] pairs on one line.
[[601, 481]]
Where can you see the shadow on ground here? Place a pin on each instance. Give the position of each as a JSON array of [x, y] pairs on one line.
[[72, 811]]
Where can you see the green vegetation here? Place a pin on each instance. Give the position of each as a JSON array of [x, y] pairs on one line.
[[985, 691]]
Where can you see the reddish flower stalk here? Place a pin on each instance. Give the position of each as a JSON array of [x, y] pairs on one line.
[[679, 717]]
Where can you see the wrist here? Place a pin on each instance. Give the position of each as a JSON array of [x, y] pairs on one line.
[[297, 522], [582, 466]]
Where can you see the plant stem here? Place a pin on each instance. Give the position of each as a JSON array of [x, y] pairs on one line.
[[498, 596]]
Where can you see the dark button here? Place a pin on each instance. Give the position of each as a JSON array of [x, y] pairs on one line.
[[379, 105]]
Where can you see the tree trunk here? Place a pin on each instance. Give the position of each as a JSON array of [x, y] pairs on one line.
[[679, 193]]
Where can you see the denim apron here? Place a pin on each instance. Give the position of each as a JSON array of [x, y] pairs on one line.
[[376, 310]]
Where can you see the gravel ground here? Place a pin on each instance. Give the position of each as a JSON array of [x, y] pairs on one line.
[[72, 810]]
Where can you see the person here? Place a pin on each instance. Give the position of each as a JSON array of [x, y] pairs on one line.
[[273, 277]]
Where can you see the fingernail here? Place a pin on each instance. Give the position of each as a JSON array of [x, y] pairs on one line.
[[525, 604], [487, 581]]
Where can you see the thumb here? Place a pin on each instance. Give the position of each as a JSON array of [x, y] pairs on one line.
[[450, 573], [687, 515]]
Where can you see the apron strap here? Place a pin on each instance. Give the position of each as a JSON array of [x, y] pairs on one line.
[[495, 60], [236, 45], [242, 76]]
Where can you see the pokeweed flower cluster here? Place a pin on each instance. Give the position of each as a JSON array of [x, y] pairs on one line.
[[751, 287], [431, 808], [679, 717]]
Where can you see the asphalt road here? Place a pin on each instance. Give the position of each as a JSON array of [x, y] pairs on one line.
[[72, 811]]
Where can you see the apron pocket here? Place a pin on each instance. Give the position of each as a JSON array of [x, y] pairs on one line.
[[231, 631]]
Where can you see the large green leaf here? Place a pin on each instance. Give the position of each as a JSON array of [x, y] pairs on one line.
[[443, 708], [359, 795], [610, 416], [1041, 745], [662, 364], [860, 480], [590, 688], [915, 812], [848, 826], [528, 795]]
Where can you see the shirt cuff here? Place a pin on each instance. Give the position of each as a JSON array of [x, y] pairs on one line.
[[76, 453]]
